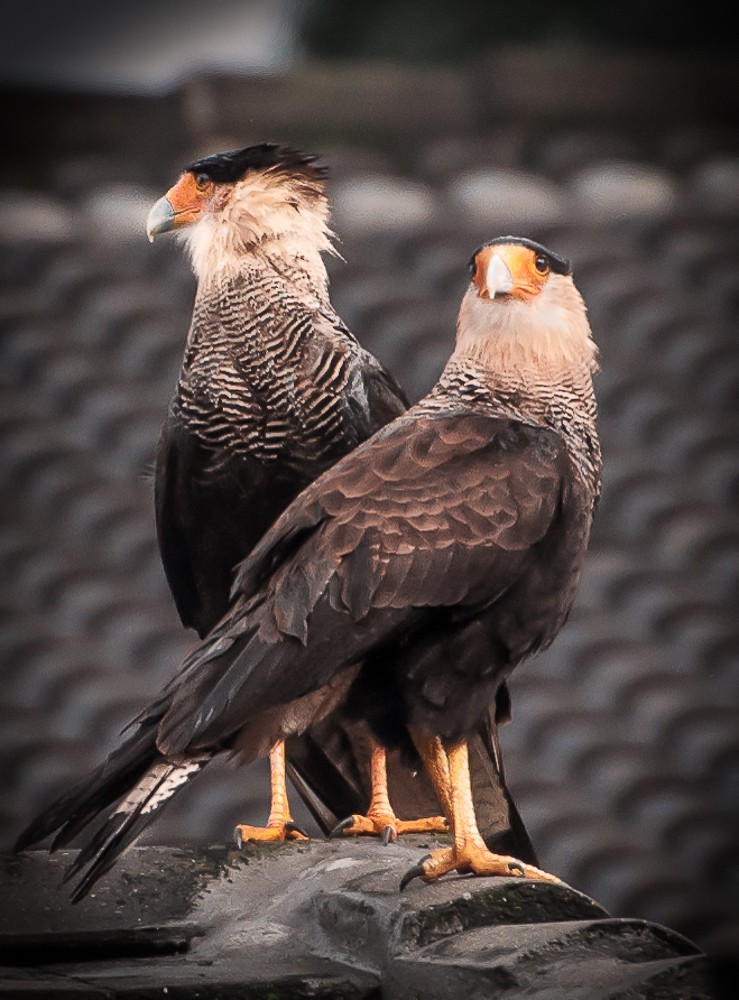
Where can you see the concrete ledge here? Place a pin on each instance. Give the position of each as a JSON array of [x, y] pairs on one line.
[[322, 919]]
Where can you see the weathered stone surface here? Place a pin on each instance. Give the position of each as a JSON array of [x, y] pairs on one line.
[[322, 919]]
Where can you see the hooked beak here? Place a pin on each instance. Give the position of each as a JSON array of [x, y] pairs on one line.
[[161, 219], [498, 279]]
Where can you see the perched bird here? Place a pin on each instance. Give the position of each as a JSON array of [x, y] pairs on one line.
[[273, 390], [405, 583], [273, 387]]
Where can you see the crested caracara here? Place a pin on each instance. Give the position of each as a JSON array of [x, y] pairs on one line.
[[273, 390], [405, 583]]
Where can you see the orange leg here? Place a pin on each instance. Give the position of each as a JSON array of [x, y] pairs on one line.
[[380, 819], [280, 825], [432, 754], [468, 853]]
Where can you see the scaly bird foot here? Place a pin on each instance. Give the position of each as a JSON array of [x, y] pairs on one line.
[[274, 832], [387, 826], [471, 858]]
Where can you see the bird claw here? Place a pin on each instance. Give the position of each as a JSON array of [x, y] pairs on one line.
[[476, 859], [340, 827], [275, 832], [417, 871], [386, 825]]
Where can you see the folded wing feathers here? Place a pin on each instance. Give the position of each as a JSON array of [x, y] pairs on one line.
[[355, 558], [353, 564]]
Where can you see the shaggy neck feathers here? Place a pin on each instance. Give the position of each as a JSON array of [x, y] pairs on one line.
[[542, 342], [263, 217]]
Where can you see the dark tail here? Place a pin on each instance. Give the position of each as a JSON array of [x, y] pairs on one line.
[[77, 807], [498, 818], [135, 770], [129, 820]]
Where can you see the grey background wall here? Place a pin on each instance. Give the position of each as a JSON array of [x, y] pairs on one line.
[[618, 151]]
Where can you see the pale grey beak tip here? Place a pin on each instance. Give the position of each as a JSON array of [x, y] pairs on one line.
[[160, 219], [498, 279]]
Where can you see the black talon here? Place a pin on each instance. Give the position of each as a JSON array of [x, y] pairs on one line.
[[387, 835], [290, 827], [416, 872], [515, 866], [343, 825]]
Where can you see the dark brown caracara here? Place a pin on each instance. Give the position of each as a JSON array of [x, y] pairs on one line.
[[407, 581], [273, 390]]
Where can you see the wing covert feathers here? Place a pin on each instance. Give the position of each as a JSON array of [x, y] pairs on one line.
[[428, 514], [419, 534]]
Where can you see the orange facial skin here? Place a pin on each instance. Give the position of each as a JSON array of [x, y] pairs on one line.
[[520, 260], [187, 198]]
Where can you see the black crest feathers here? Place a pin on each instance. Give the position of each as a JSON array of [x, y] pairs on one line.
[[230, 167], [560, 265]]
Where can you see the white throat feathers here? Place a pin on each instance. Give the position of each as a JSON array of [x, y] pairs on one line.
[[263, 215], [546, 339]]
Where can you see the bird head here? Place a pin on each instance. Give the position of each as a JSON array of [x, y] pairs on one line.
[[522, 308], [228, 204], [512, 268]]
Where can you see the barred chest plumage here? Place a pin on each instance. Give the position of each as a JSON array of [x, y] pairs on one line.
[[567, 407], [265, 369]]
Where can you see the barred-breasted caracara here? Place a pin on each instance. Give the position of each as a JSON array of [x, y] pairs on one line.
[[408, 580], [273, 390]]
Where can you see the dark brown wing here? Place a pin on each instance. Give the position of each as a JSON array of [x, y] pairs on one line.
[[211, 507], [433, 512], [174, 517], [242, 453]]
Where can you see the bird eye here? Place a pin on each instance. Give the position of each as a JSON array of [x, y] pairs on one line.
[[542, 264], [202, 180]]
